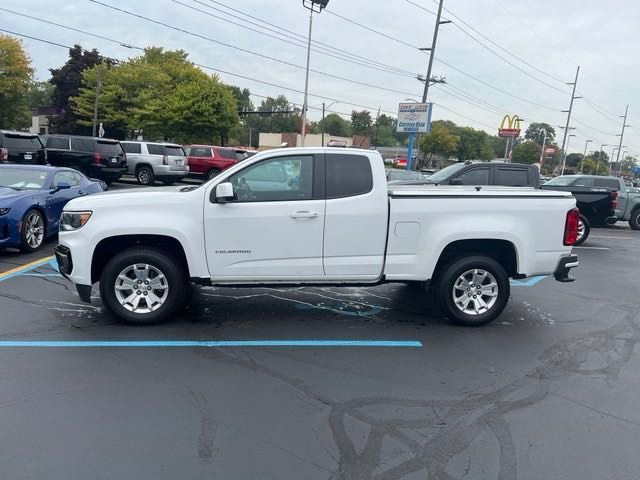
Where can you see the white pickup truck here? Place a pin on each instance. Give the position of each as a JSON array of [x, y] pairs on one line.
[[311, 216]]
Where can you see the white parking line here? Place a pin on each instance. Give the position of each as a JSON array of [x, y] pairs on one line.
[[604, 236], [594, 248]]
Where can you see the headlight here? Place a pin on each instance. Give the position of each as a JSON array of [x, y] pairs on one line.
[[4, 211], [73, 220]]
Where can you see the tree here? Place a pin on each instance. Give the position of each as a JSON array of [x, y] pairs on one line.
[[498, 145], [160, 94], [573, 160], [39, 94], [439, 141], [473, 144], [536, 131], [361, 122], [15, 79], [589, 166], [601, 157], [66, 81], [334, 124], [384, 131], [526, 152], [242, 98]]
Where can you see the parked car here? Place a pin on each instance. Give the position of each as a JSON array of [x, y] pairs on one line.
[[151, 161], [101, 158], [31, 201], [21, 147], [487, 173], [209, 160], [338, 223]]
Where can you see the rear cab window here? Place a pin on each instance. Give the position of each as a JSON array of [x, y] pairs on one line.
[[21, 142], [511, 177], [607, 183], [347, 175]]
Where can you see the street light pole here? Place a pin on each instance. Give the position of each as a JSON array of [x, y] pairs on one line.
[[624, 155], [600, 155], [544, 143], [313, 6], [323, 111], [584, 155], [613, 152]]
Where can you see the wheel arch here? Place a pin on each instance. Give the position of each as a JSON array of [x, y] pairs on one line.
[[108, 247], [502, 251]]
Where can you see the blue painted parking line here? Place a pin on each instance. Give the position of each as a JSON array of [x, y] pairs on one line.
[[215, 343], [21, 270], [527, 282]]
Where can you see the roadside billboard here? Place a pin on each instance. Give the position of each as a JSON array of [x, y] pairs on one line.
[[414, 117]]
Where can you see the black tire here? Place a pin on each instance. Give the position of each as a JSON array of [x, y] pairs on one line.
[[580, 239], [175, 276], [145, 176], [634, 220], [169, 181], [446, 287], [25, 245], [214, 172]]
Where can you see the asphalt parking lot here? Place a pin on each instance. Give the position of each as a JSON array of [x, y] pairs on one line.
[[549, 390]]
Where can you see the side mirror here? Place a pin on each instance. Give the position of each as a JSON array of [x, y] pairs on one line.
[[224, 192], [61, 186], [456, 181]]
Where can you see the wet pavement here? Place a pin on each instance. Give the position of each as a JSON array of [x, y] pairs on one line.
[[549, 390]]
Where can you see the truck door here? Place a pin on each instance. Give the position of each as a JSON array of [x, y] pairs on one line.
[[355, 233], [273, 230]]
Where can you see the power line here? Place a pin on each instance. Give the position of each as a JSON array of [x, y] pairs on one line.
[[244, 50], [488, 105], [322, 48]]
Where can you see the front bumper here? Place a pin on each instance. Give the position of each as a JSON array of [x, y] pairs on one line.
[[565, 264], [65, 267]]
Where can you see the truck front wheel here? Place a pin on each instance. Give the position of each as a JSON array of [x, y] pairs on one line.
[[473, 290], [143, 286]]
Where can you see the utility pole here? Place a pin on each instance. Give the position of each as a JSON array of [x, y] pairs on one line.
[[432, 50], [306, 82], [624, 124], [323, 124], [544, 143], [568, 112], [584, 155], [97, 101]]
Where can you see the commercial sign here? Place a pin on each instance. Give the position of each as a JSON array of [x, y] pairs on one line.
[[414, 117], [635, 169], [510, 127]]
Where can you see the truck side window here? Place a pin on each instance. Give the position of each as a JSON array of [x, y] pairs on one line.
[[607, 183], [511, 177], [582, 182], [348, 175], [155, 149], [275, 180], [131, 147], [475, 176], [58, 142]]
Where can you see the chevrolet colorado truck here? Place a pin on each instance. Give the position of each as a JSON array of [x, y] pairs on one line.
[[314, 216]]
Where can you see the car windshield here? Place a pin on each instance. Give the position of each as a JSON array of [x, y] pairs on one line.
[[445, 173], [561, 181], [22, 142], [22, 178], [109, 148]]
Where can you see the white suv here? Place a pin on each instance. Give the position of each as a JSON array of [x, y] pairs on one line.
[[151, 161]]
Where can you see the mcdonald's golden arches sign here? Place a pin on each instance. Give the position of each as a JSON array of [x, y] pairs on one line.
[[510, 126]]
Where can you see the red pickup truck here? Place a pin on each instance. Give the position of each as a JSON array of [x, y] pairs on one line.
[[209, 160]]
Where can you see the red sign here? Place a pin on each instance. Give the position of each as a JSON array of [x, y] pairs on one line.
[[509, 132], [550, 150]]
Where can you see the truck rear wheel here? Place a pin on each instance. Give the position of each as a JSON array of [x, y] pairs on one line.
[[143, 286], [584, 228], [472, 291]]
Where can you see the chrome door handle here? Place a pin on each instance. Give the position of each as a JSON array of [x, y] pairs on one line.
[[304, 214]]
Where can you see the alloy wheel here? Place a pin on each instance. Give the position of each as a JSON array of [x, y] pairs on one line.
[[141, 288], [475, 292]]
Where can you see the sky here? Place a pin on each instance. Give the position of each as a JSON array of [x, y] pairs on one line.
[[541, 44]]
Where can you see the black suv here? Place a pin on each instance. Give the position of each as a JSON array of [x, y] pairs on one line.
[[21, 147], [487, 173], [101, 158]]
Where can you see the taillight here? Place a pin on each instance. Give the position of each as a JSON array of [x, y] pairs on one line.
[[571, 227], [165, 160], [4, 154], [96, 159], [613, 198]]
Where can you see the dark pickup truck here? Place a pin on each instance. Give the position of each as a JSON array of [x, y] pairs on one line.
[[487, 173], [596, 198]]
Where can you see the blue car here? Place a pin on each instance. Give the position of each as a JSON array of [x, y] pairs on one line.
[[31, 201]]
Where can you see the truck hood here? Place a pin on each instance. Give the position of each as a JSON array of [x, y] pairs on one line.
[[154, 196]]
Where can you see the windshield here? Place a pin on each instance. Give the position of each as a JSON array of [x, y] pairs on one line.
[[445, 173], [22, 178], [22, 142], [561, 181]]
